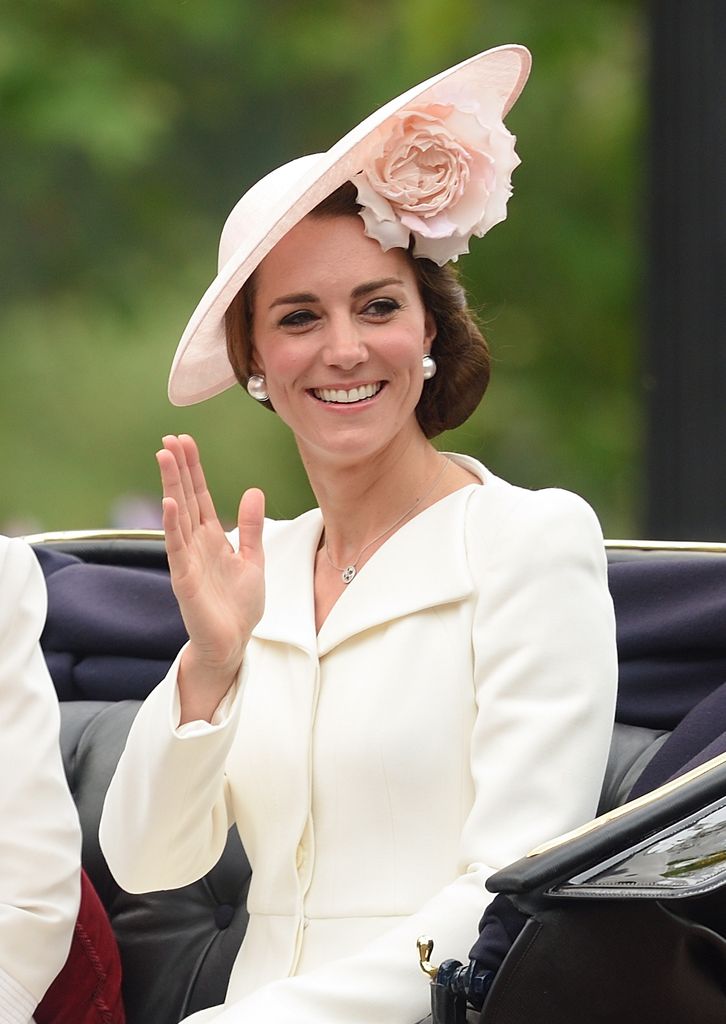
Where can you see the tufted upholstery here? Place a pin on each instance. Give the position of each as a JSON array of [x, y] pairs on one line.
[[178, 947], [198, 929]]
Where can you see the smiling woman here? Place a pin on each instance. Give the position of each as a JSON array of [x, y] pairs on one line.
[[350, 317], [425, 608], [461, 350]]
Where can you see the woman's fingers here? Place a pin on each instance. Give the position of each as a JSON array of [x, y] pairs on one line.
[[189, 508], [172, 487], [174, 539], [220, 594], [187, 505], [207, 511], [171, 462], [176, 548], [250, 520]]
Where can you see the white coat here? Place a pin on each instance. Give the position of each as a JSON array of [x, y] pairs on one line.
[[40, 849], [454, 710]]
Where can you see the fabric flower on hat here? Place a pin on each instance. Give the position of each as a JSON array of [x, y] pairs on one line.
[[442, 173]]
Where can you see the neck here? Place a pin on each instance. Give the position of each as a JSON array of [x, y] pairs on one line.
[[360, 500]]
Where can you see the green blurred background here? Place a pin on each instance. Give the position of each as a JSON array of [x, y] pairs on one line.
[[129, 131]]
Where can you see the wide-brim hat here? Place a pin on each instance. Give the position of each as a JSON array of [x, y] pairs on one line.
[[277, 202]]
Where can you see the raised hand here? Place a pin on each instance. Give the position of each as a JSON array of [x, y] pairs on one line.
[[220, 591]]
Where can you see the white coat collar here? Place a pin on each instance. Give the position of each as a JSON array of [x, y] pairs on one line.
[[422, 565]]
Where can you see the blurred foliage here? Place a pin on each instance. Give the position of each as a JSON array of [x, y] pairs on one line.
[[130, 130]]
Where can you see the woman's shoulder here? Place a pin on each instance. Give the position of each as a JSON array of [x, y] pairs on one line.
[[508, 498], [524, 504], [502, 515]]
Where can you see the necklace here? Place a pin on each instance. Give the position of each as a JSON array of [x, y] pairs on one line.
[[348, 572]]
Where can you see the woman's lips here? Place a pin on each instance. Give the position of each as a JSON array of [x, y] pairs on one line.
[[349, 396]]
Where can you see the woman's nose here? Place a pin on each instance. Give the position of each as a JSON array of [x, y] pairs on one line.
[[344, 346]]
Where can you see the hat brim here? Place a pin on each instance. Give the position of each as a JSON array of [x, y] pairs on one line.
[[201, 368]]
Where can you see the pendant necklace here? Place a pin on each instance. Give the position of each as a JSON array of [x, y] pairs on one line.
[[348, 573]]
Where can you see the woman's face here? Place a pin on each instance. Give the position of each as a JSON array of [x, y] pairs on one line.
[[339, 333]]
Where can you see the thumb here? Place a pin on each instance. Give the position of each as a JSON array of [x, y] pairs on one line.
[[249, 520]]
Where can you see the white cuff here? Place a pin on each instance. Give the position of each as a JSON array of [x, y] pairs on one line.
[[200, 727]]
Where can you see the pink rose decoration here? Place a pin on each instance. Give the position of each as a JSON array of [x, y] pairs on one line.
[[442, 173]]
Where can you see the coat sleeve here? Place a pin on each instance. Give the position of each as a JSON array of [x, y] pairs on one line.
[[40, 850], [164, 825], [545, 672], [157, 832]]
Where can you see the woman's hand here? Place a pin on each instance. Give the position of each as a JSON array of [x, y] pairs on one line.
[[220, 591]]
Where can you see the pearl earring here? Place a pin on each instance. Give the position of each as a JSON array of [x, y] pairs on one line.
[[257, 387], [429, 367]]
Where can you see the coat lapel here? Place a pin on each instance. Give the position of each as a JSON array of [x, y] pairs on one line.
[[290, 547], [422, 565]]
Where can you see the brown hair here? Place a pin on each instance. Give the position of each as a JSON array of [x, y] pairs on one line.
[[459, 348]]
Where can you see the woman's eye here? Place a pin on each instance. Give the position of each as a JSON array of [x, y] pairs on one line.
[[300, 318], [382, 308]]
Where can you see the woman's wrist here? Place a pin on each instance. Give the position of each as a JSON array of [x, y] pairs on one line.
[[202, 683]]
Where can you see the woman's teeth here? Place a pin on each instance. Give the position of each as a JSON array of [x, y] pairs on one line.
[[354, 395]]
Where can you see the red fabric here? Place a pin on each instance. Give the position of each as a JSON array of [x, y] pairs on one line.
[[88, 988]]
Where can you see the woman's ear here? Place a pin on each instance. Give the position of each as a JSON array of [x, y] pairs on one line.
[[430, 331], [256, 363]]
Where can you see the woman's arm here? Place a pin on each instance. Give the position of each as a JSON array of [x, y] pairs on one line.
[[165, 816], [545, 671], [40, 849]]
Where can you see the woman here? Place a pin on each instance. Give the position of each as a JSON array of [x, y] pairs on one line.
[[40, 850], [411, 685]]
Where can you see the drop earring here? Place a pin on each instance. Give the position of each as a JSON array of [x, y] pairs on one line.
[[257, 387], [429, 367]]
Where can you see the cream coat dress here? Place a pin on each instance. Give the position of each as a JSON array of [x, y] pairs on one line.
[[40, 847], [454, 710]]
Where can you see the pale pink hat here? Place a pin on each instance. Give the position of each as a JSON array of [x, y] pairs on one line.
[[493, 79]]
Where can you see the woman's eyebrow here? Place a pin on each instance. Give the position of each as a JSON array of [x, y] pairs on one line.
[[299, 298], [373, 286]]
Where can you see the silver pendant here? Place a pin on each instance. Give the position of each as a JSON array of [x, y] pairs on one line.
[[347, 574]]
